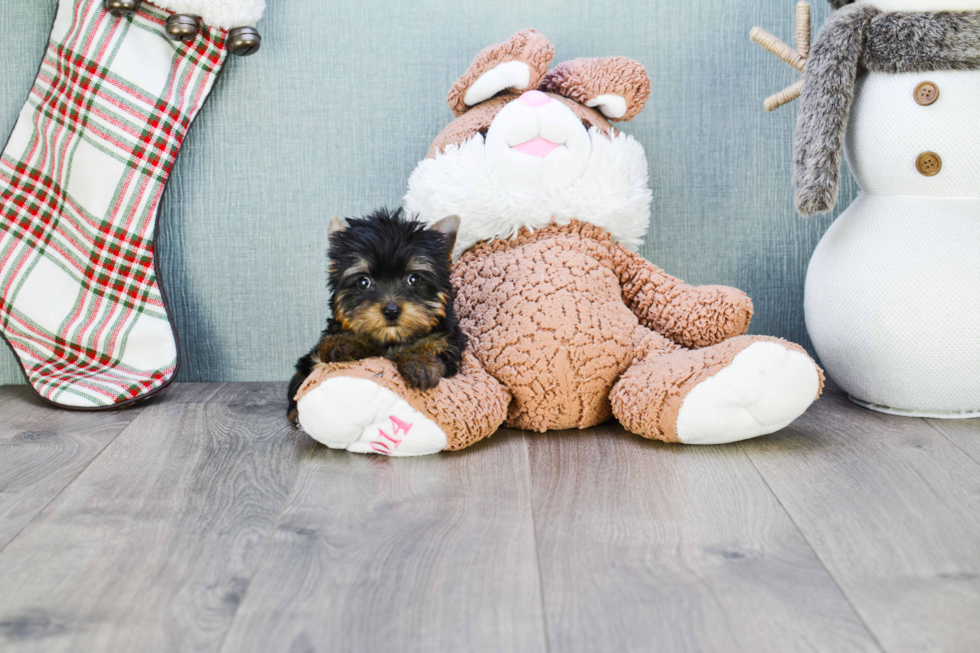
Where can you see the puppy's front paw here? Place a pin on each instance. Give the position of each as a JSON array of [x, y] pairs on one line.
[[341, 350], [421, 374]]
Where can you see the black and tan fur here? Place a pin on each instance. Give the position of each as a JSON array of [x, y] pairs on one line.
[[392, 297]]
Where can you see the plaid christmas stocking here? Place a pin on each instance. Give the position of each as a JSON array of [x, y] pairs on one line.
[[80, 183]]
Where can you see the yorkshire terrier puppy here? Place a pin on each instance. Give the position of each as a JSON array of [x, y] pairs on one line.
[[392, 297]]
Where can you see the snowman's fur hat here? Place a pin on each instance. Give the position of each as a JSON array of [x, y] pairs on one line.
[[860, 37]]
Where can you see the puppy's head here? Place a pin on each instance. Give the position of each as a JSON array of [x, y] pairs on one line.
[[390, 275]]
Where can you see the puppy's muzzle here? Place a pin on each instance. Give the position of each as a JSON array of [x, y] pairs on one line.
[[391, 312]]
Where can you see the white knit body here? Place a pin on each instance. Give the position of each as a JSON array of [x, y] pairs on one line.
[[893, 289]]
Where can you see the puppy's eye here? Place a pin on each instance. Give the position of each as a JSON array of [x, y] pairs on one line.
[[413, 279], [364, 283]]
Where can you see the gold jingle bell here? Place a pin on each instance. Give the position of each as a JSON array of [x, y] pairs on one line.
[[181, 27], [244, 41], [122, 7]]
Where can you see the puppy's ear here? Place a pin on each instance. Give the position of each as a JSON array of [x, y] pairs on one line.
[[448, 227], [336, 226], [517, 64], [616, 86]]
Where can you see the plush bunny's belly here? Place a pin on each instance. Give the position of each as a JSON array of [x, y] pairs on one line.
[[548, 321]]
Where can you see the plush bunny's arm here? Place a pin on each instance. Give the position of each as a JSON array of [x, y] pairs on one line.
[[692, 316]]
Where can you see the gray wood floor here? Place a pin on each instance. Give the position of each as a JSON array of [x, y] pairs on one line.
[[200, 521]]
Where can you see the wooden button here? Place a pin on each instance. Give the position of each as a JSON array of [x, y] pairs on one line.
[[926, 93], [929, 164]]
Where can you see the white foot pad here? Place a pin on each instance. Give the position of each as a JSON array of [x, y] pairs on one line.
[[361, 416], [763, 389]]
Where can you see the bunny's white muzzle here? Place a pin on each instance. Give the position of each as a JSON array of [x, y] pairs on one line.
[[537, 144]]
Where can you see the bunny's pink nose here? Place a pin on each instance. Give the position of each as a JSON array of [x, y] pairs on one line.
[[535, 99]]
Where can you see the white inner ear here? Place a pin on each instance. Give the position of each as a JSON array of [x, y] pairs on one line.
[[610, 104], [512, 74]]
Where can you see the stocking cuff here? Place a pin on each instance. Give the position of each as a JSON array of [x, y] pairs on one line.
[[224, 14]]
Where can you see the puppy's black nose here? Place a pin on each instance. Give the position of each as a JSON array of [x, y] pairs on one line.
[[391, 312]]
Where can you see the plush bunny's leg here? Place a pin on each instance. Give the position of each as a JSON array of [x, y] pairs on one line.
[[366, 407], [738, 389]]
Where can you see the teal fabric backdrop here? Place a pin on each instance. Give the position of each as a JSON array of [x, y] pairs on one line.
[[332, 115]]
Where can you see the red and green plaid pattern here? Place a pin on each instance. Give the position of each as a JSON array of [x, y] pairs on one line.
[[80, 184]]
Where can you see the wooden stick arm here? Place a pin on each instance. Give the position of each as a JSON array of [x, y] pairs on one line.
[[785, 96], [803, 29], [796, 58], [777, 47]]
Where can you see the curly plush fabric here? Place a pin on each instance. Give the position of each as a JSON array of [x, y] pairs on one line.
[[545, 316], [649, 395], [584, 79], [527, 46], [693, 316], [553, 315], [468, 407]]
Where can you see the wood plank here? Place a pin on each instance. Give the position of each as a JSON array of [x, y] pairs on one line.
[[964, 433], [420, 554], [153, 545], [648, 546], [42, 448], [893, 510]]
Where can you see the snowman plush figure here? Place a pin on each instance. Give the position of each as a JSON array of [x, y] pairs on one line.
[[893, 289]]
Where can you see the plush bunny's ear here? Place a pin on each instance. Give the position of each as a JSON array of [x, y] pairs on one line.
[[616, 86], [519, 64]]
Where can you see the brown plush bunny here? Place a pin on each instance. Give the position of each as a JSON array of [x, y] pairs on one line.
[[567, 325]]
